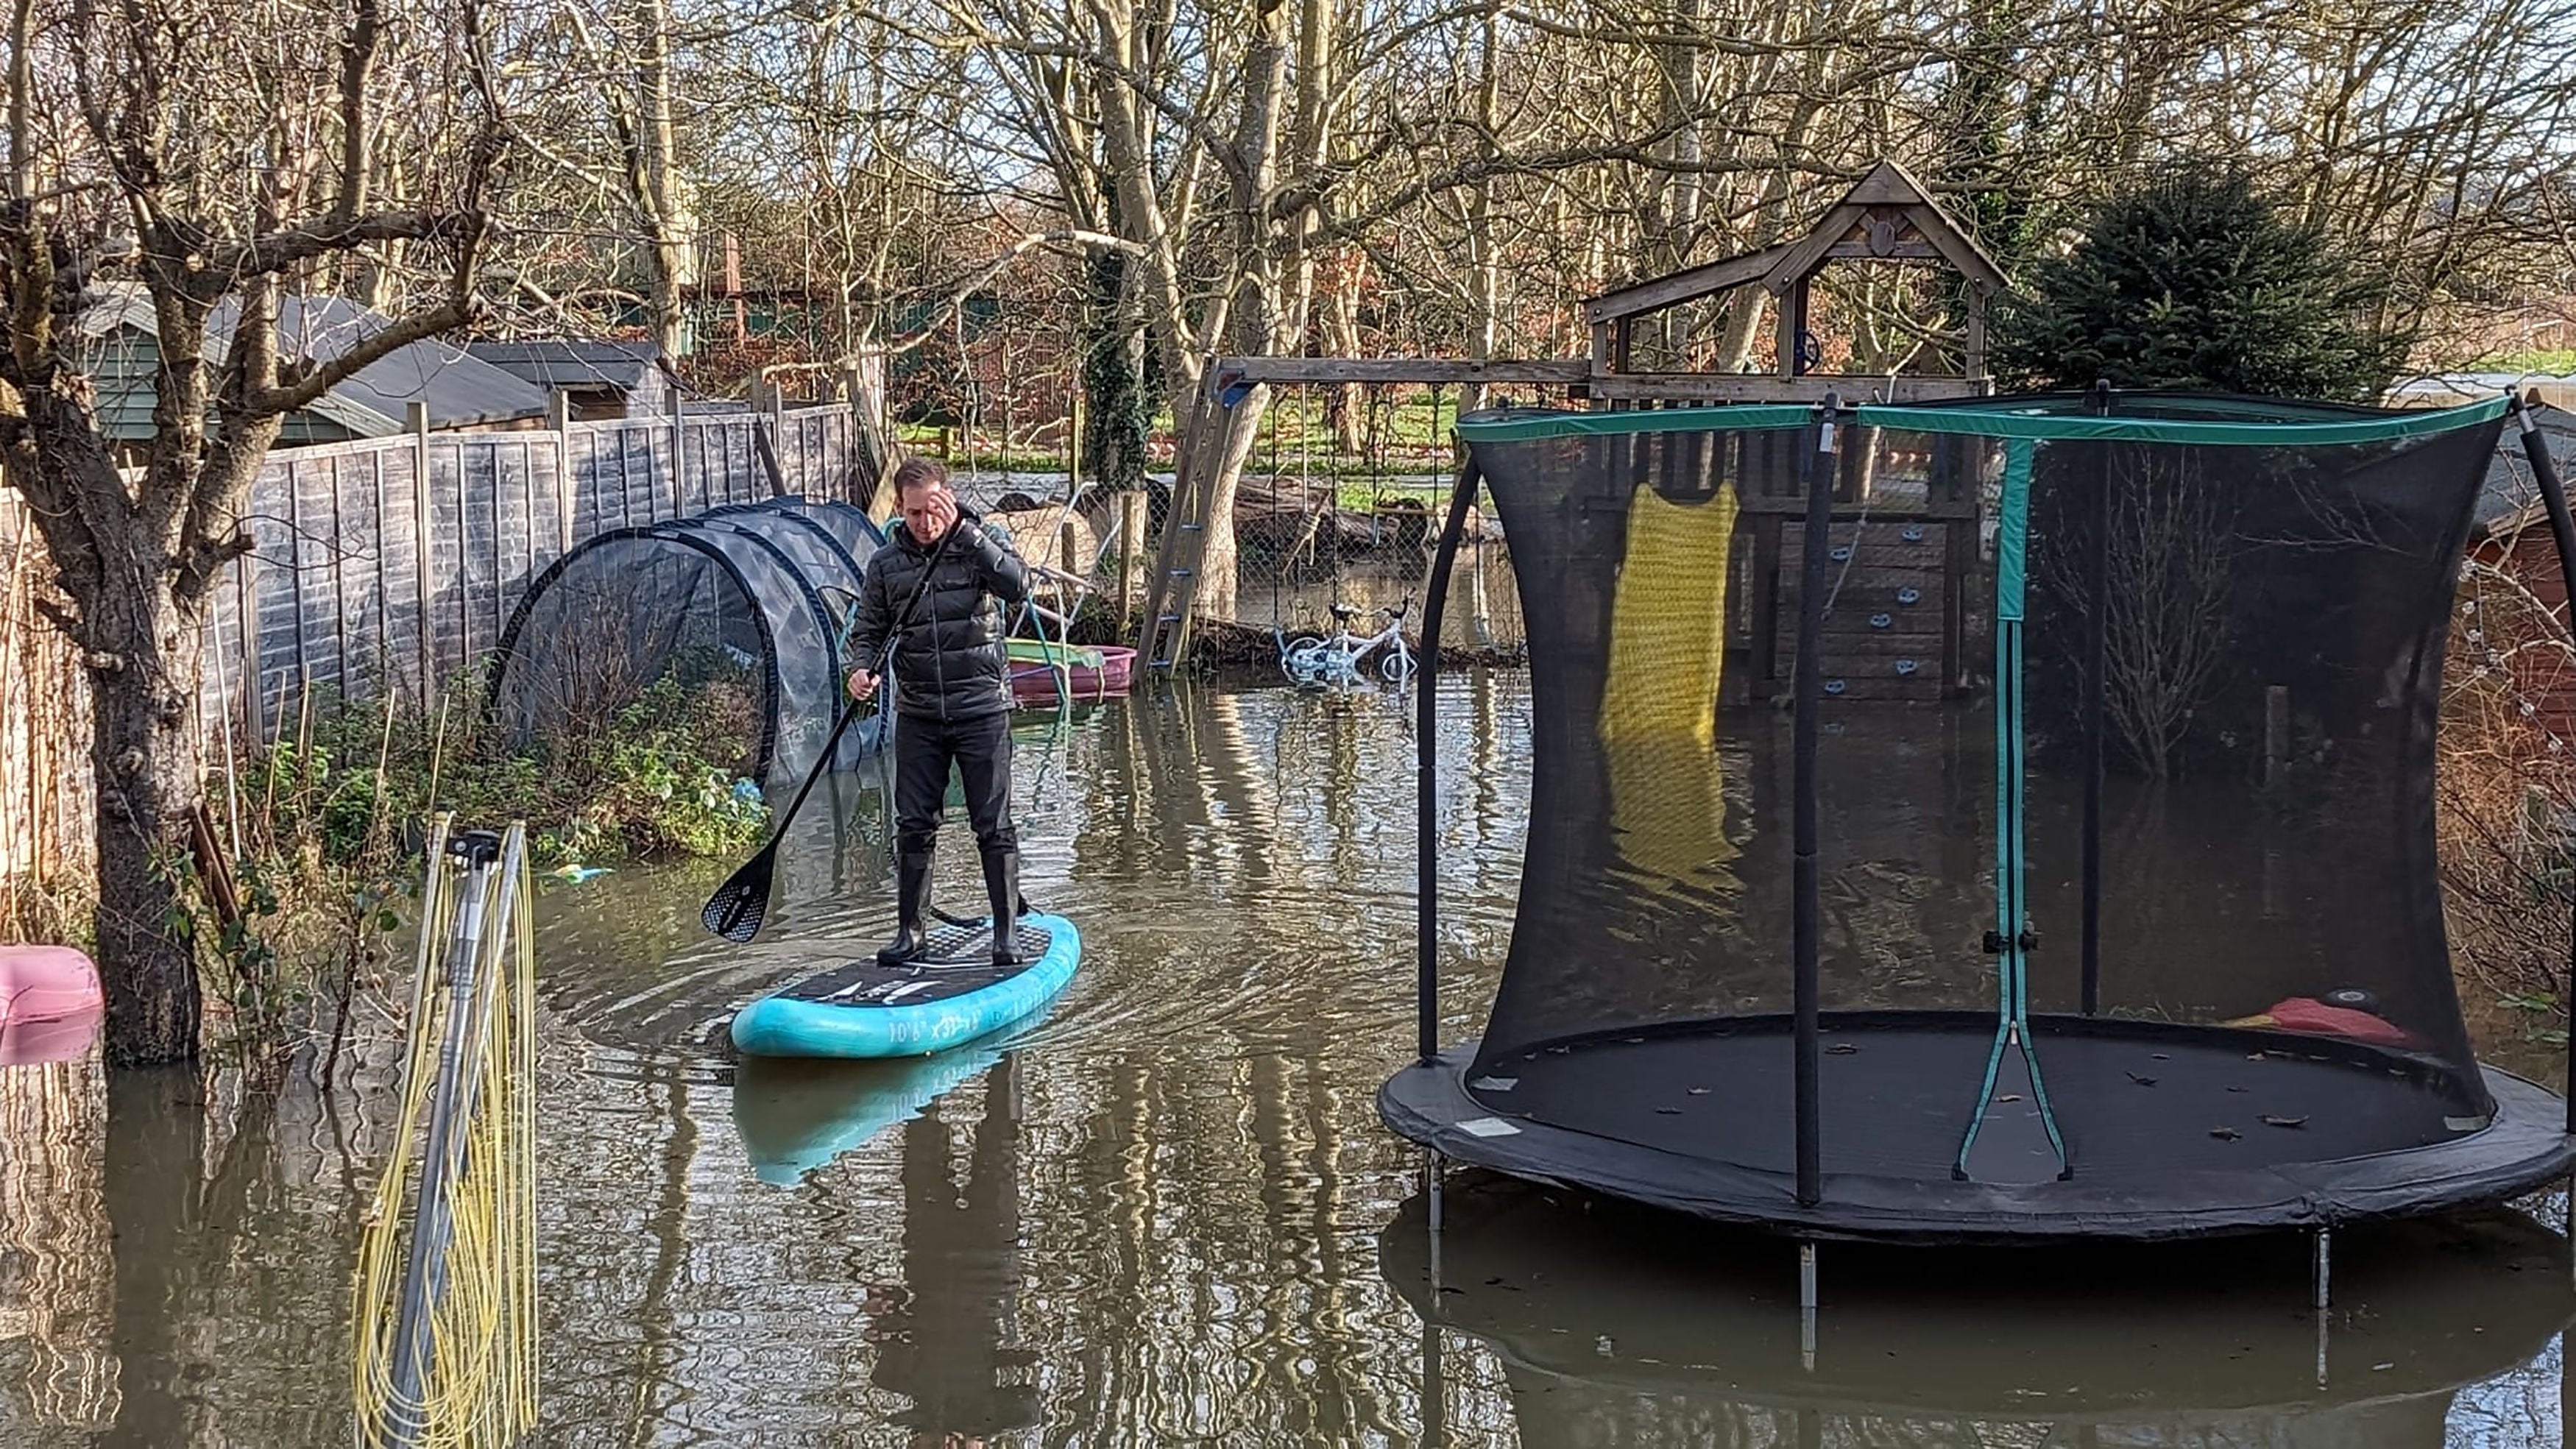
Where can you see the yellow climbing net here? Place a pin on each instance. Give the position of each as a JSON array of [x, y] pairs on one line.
[[445, 1309]]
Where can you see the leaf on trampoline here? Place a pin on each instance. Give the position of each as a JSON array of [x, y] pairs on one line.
[[1699, 1091], [2238, 1089], [2163, 1057], [2225, 1134], [2285, 1121], [1668, 1111], [1842, 1049], [2142, 1081], [2009, 1097]]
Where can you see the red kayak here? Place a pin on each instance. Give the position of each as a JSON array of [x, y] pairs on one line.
[[1088, 671]]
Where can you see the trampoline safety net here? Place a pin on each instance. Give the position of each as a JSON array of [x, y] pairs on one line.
[[736, 615], [2124, 776]]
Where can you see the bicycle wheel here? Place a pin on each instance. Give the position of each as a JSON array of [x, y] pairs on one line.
[[1395, 667], [1304, 660]]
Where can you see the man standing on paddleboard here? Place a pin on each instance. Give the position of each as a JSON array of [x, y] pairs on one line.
[[952, 692]]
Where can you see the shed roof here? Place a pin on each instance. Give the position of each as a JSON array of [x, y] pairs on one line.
[[461, 391], [569, 363]]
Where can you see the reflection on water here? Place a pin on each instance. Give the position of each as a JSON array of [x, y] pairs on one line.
[[1584, 1327], [1164, 1213]]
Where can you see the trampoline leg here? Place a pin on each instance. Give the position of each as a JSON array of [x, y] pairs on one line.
[[1435, 1388], [2325, 1269], [1807, 1306], [1431, 1192], [2324, 1296]]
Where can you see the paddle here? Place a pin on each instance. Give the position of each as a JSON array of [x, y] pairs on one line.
[[738, 907]]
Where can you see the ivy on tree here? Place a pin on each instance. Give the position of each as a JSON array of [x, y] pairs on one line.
[[2198, 281]]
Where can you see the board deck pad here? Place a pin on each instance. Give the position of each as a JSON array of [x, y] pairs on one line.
[[960, 960]]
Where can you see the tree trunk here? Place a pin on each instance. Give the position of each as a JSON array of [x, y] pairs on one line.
[[156, 1143], [1211, 451], [1484, 267], [143, 756], [1115, 425], [1343, 401], [137, 620], [660, 190]]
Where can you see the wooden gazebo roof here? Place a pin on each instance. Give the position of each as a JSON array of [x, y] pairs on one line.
[[1886, 216]]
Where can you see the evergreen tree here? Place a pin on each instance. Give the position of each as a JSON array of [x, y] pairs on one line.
[[2197, 281]]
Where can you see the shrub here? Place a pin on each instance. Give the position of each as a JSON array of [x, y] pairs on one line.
[[316, 837], [2197, 281]]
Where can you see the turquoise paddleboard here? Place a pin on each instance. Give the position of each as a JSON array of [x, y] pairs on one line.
[[795, 1116], [860, 1008]]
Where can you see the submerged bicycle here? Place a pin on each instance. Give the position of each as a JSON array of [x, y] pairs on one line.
[[1343, 659]]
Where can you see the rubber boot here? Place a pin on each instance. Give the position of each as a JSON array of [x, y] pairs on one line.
[[1002, 883], [912, 892]]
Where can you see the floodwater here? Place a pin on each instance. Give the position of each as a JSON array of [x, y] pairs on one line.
[[1166, 1213]]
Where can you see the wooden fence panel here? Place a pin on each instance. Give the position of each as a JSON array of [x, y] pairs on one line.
[[390, 563], [45, 795]]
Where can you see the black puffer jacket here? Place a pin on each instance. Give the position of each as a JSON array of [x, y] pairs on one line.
[[951, 663]]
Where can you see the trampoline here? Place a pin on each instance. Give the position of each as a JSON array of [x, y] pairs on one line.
[[2049, 855]]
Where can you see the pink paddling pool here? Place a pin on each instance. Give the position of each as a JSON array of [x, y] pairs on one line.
[[49, 1003]]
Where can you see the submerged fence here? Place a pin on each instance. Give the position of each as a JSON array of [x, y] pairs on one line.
[[387, 564]]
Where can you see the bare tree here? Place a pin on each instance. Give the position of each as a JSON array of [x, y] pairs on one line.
[[215, 168], [2170, 555]]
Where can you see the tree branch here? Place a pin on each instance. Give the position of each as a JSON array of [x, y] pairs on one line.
[[357, 134], [279, 250], [309, 388]]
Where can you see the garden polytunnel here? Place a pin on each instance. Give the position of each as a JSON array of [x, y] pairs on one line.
[[735, 616]]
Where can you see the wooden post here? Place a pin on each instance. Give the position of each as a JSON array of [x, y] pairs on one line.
[[559, 418], [1768, 537], [1974, 366], [2276, 733], [1073, 448], [1131, 533], [295, 567], [384, 640], [1479, 610], [679, 450], [339, 584], [254, 705], [778, 440], [417, 414]]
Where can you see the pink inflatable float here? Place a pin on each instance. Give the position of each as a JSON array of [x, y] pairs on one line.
[[49, 1003]]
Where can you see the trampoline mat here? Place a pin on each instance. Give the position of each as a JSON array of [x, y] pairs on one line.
[[960, 961], [2133, 1101]]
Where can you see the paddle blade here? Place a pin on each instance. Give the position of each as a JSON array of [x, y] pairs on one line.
[[737, 908]]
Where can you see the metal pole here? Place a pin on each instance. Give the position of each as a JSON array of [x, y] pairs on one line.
[[1426, 756], [1816, 468], [2325, 1269], [2562, 531], [1435, 1393], [477, 850], [1807, 1306], [2324, 1296], [1435, 1389], [2097, 608]]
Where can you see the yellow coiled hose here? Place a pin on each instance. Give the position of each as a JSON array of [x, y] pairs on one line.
[[471, 1379]]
